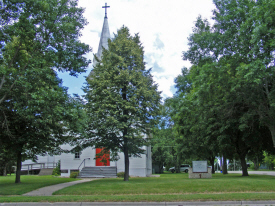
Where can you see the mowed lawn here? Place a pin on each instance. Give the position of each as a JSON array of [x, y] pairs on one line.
[[166, 188], [174, 184], [28, 183]]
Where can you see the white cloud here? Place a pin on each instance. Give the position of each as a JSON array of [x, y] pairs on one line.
[[158, 44], [157, 22]]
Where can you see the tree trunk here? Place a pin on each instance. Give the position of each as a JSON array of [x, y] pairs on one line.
[[177, 168], [272, 131], [256, 163], [242, 150], [244, 166], [125, 131], [126, 160], [221, 162], [5, 170], [160, 168], [178, 163], [212, 162], [224, 166], [18, 167]]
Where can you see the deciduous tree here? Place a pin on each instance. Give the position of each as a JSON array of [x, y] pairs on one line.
[[231, 81], [39, 32], [36, 39]]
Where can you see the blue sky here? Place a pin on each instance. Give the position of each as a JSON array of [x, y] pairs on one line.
[[163, 26]]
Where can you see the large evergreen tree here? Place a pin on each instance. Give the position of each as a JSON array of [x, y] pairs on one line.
[[36, 39], [122, 98]]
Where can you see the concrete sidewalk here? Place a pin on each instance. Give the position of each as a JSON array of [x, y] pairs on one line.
[[49, 190], [217, 203], [254, 172]]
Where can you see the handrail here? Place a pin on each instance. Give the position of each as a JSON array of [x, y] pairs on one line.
[[82, 162], [39, 165]]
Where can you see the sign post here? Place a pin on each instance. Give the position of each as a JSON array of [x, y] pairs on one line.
[[199, 166], [200, 170]]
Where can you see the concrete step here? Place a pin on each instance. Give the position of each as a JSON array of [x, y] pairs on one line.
[[98, 172], [46, 171], [96, 176]]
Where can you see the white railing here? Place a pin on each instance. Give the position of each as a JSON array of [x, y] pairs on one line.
[[80, 168], [36, 166]]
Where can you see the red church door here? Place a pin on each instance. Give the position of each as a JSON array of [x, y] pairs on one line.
[[106, 157]]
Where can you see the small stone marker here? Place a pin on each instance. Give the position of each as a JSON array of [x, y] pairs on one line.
[[199, 166], [200, 170]]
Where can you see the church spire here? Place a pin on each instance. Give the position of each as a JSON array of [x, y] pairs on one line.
[[105, 35]]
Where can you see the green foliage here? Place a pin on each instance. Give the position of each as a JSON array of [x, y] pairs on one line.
[[7, 161], [37, 36], [120, 174], [29, 183], [269, 160], [74, 174], [224, 102], [166, 188], [163, 142], [122, 99], [232, 196], [56, 170], [252, 166], [178, 183], [7, 168]]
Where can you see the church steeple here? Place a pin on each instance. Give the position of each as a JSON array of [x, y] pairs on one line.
[[105, 35]]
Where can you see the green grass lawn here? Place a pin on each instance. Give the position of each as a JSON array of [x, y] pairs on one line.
[[166, 188], [174, 184], [28, 183]]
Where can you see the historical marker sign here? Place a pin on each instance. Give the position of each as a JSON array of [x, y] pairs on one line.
[[199, 166]]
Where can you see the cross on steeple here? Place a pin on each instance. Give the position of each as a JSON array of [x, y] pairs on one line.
[[106, 9]]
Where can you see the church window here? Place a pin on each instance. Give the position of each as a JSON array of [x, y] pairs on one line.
[[77, 155]]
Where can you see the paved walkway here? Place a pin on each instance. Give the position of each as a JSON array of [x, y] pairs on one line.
[[256, 172], [49, 190]]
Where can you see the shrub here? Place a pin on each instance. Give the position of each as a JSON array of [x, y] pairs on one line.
[[73, 174], [120, 174], [252, 166], [56, 171]]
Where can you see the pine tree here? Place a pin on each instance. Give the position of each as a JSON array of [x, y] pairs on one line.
[[122, 98]]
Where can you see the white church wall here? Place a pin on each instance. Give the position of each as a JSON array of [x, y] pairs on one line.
[[137, 165], [148, 161], [69, 163], [46, 161]]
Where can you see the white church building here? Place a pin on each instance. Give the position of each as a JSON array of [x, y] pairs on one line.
[[85, 161]]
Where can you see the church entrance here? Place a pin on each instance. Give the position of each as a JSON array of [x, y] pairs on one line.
[[104, 157]]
